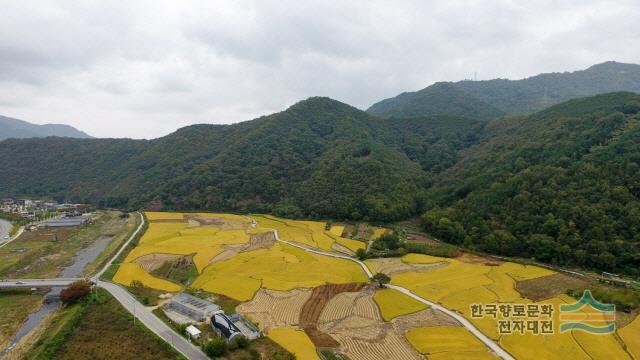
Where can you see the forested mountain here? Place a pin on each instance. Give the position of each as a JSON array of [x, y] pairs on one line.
[[318, 158], [561, 185], [492, 98], [14, 128]]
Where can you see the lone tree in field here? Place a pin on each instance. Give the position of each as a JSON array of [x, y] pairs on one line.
[[381, 279], [75, 291]]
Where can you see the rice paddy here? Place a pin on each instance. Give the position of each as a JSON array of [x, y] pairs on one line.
[[631, 336], [235, 257], [460, 284], [393, 303], [445, 341], [294, 341]]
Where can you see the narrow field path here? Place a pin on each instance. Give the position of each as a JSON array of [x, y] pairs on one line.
[[461, 319]]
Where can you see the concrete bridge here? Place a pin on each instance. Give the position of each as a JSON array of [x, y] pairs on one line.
[[36, 283]]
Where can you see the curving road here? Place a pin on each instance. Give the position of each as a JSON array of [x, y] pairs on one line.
[[466, 323]]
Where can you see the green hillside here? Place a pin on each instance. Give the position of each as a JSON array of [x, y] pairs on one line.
[[493, 98]]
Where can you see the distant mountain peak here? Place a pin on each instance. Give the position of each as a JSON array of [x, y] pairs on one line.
[[15, 128], [492, 98]]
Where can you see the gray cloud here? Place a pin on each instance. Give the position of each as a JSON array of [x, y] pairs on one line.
[[144, 68]]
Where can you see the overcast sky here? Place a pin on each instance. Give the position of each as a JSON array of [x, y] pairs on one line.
[[142, 69]]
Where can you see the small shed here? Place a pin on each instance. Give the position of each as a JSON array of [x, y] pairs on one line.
[[193, 331]]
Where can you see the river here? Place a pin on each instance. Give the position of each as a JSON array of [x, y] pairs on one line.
[[5, 228], [80, 261]]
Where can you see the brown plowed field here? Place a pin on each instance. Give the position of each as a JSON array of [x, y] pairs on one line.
[[312, 310]]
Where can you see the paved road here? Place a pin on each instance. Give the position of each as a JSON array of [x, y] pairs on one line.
[[152, 322], [143, 313], [466, 323], [36, 283]]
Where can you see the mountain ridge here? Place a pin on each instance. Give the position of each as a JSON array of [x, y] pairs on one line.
[[16, 128], [513, 97]]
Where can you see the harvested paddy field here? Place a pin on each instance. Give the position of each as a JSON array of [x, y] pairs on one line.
[[275, 309], [314, 306], [546, 287], [353, 321], [395, 266]]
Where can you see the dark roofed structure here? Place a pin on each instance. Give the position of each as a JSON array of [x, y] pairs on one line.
[[224, 326]]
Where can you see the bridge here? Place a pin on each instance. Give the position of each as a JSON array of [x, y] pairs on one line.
[[36, 283]]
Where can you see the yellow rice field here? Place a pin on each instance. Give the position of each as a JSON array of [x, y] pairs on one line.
[[378, 232], [460, 284], [393, 303], [129, 272], [337, 230], [281, 267], [445, 340], [205, 236], [631, 336], [294, 341]]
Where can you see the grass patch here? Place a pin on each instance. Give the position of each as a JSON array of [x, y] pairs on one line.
[[99, 328], [15, 307]]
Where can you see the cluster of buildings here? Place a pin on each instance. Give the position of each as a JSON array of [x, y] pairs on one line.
[[185, 308], [29, 208]]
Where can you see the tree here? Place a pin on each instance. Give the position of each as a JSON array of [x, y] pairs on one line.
[[361, 254], [216, 347], [381, 279], [75, 291]]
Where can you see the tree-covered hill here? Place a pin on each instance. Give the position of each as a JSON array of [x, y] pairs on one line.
[[492, 98], [561, 185], [318, 158]]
